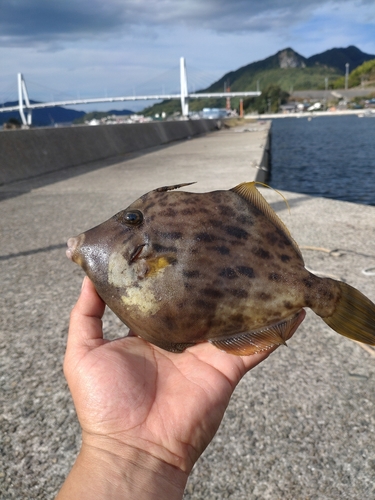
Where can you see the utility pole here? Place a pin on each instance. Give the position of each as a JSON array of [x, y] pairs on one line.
[[346, 75], [227, 89], [325, 93], [241, 108]]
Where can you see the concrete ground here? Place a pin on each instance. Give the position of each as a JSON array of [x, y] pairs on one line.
[[299, 426]]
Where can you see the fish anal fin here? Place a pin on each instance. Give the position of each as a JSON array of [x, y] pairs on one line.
[[246, 343], [249, 192]]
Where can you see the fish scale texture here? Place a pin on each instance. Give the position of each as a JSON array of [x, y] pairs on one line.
[[299, 426]]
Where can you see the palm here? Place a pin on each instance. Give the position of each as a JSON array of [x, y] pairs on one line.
[[167, 404]]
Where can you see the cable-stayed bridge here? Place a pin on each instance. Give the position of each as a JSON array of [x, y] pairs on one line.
[[25, 107]]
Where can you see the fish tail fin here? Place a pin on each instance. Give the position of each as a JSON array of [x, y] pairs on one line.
[[354, 315]]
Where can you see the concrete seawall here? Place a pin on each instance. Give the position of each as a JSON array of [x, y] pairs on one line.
[[28, 153]]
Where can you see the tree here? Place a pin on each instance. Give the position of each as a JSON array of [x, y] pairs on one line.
[[269, 101]]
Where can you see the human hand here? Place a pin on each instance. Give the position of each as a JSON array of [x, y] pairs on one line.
[[144, 405]]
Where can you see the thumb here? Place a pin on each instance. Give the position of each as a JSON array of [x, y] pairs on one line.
[[85, 328]]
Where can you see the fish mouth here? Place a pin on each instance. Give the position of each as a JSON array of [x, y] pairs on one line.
[[72, 252]]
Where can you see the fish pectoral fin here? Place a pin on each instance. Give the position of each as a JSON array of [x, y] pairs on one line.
[[156, 264], [246, 343]]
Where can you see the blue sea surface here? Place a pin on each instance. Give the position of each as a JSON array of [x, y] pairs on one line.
[[331, 156]]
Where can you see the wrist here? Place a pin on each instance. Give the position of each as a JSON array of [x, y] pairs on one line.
[[101, 473]]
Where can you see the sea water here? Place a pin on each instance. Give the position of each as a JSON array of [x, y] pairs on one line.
[[330, 156]]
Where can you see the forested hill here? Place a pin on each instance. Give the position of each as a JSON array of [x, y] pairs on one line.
[[288, 69]]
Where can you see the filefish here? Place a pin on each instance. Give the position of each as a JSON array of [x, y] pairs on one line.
[[180, 268]]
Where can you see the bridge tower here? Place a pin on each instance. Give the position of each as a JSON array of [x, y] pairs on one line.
[[184, 88], [23, 95]]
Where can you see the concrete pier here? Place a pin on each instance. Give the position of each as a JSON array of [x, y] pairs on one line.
[[301, 425]]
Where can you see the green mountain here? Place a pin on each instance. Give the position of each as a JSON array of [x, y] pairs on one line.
[[286, 69], [337, 58], [362, 75]]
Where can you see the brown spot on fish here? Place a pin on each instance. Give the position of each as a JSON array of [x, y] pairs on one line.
[[206, 237], [245, 220], [285, 258], [238, 292], [191, 274], [204, 304], [283, 242], [237, 232], [169, 212], [174, 235], [171, 259], [272, 238], [246, 271], [236, 243], [228, 272], [161, 248], [307, 300], [308, 282], [226, 211], [169, 322], [263, 254], [213, 293], [264, 296], [223, 250], [288, 304], [188, 211], [149, 206]]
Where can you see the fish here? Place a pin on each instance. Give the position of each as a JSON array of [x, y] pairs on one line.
[[180, 268]]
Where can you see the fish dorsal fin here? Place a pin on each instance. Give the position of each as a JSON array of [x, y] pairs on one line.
[[175, 186], [249, 192], [244, 344]]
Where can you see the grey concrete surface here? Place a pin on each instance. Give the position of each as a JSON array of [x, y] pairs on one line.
[[299, 426]]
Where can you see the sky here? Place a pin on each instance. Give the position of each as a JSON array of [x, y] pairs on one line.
[[68, 49]]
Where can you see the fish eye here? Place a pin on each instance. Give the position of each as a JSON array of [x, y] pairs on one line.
[[135, 217]]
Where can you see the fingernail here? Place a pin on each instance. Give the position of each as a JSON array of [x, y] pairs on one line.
[[83, 282]]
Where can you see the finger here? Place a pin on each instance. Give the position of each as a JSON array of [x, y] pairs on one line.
[[86, 318]]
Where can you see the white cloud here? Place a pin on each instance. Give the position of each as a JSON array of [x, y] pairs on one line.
[[45, 22], [91, 48]]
